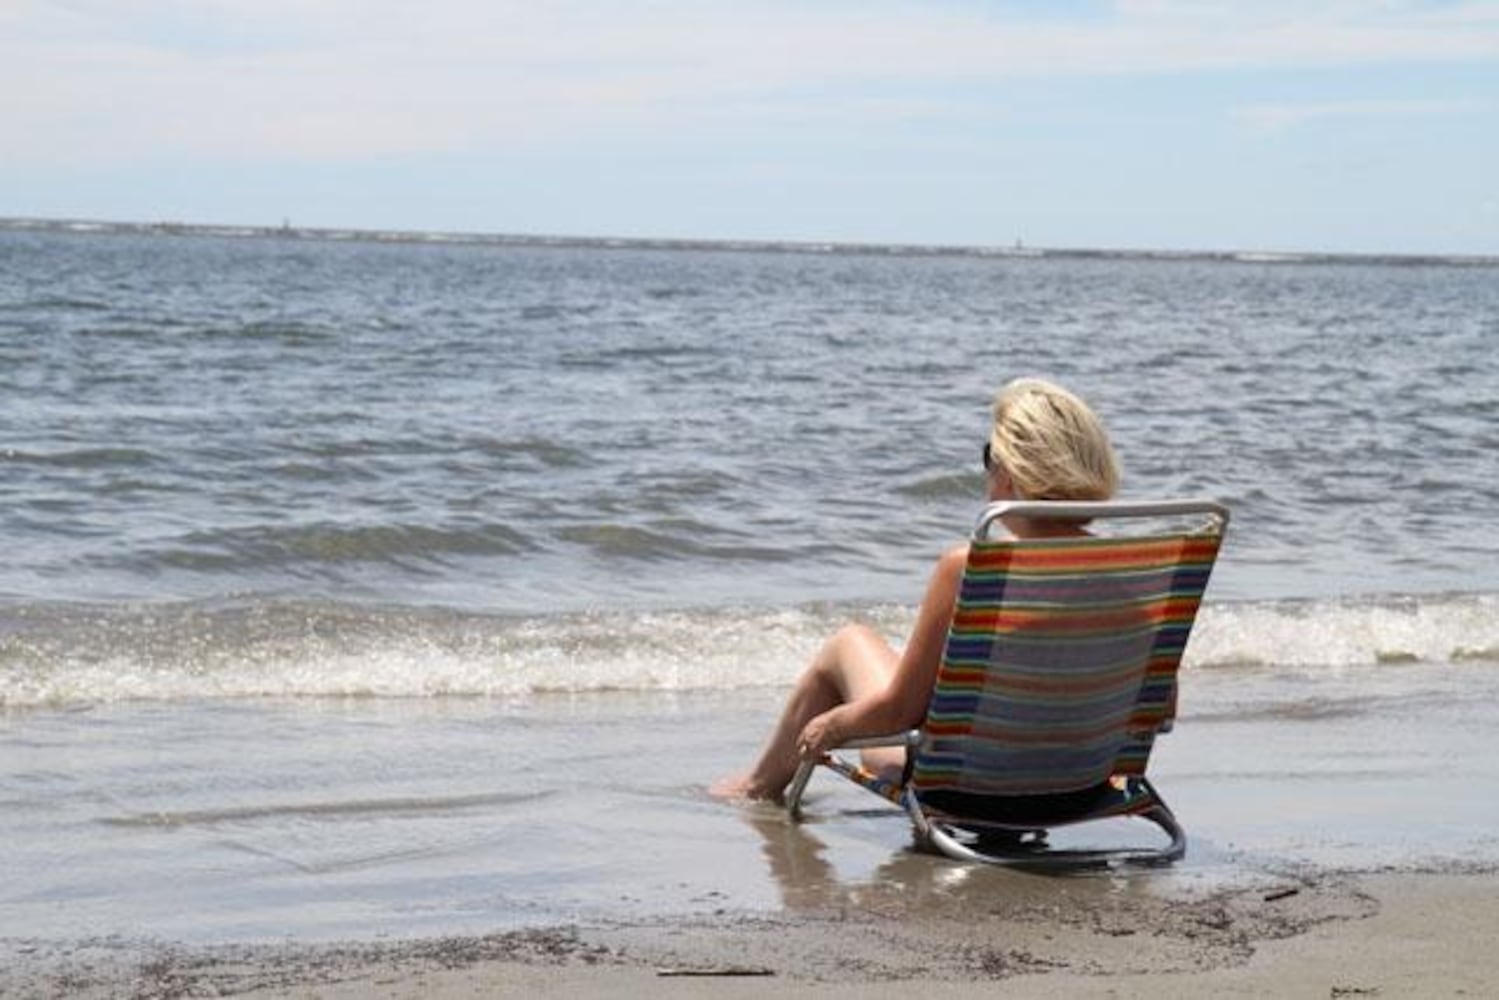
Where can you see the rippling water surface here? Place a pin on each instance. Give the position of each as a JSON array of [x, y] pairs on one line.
[[529, 430]]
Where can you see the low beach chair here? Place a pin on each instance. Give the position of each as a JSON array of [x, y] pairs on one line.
[[1059, 670]]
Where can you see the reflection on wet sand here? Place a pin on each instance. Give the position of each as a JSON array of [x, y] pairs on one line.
[[912, 883]]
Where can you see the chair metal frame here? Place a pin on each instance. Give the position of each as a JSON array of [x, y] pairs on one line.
[[1024, 844]]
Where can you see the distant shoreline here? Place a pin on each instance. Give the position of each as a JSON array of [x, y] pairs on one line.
[[1019, 251]]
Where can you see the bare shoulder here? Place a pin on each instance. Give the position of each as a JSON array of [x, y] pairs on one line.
[[950, 566], [954, 559], [946, 579]]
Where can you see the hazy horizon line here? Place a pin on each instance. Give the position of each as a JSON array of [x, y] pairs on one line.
[[1018, 249]]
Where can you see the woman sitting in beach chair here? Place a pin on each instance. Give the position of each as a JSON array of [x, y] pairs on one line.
[[1045, 444]]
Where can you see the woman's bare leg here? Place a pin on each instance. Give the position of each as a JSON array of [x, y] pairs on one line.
[[855, 662]]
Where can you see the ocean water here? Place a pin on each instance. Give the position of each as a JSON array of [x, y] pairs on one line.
[[333, 566]]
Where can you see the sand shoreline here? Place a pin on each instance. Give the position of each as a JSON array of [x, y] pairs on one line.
[[1316, 934]]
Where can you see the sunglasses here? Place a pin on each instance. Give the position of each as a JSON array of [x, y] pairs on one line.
[[989, 462]]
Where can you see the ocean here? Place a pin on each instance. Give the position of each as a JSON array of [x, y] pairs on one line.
[[363, 586]]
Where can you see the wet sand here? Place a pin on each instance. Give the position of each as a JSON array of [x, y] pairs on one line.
[[1312, 936]]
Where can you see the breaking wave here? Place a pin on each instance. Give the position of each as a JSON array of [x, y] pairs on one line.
[[65, 654]]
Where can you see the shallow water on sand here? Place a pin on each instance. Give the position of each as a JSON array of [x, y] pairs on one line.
[[362, 818]]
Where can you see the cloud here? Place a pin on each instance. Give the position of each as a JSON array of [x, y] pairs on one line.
[[334, 79]]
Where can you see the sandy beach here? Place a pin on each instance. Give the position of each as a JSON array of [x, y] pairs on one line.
[[1385, 935]]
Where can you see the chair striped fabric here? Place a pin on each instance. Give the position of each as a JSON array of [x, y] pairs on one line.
[[1059, 671]]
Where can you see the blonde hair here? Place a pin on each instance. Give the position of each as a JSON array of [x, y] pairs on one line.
[[1053, 446]]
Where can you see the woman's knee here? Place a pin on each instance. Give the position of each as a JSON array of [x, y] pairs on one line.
[[846, 646], [855, 636], [855, 659]]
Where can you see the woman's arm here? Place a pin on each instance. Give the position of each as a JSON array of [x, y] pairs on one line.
[[902, 704]]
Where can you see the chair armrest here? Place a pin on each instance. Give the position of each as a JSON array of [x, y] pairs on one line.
[[909, 738]]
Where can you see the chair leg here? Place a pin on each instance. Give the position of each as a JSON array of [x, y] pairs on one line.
[[1162, 817], [1038, 856], [797, 787]]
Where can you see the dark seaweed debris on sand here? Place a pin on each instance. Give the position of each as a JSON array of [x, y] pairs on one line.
[[115, 968]]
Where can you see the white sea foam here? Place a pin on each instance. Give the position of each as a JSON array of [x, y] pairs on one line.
[[314, 650], [1353, 633]]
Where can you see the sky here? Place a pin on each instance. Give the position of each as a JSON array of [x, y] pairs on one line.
[[1356, 126]]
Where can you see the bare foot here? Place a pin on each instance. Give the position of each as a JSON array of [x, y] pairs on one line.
[[738, 788]]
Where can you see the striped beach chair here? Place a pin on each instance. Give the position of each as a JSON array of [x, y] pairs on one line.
[[1059, 671]]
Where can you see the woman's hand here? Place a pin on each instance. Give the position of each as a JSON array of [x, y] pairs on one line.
[[819, 736]]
